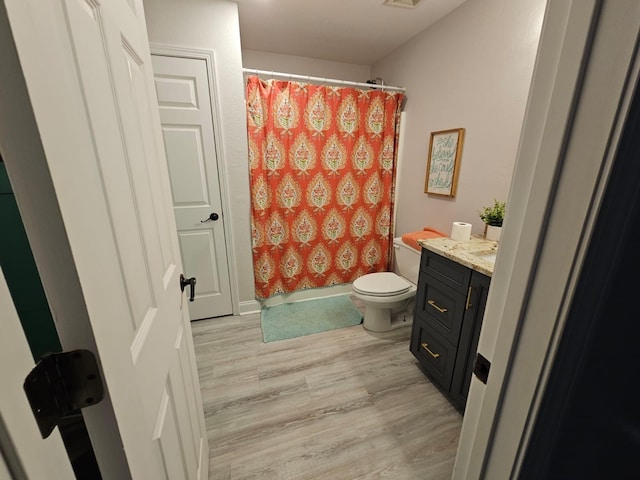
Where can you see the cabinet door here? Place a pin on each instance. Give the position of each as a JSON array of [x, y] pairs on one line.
[[445, 270], [470, 333], [441, 307], [435, 354]]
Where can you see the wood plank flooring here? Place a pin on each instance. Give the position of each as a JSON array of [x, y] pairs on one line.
[[345, 404]]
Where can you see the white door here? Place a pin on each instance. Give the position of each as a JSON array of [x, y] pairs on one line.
[[87, 68], [182, 86], [23, 448]]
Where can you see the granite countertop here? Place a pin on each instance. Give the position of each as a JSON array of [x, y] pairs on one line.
[[469, 253]]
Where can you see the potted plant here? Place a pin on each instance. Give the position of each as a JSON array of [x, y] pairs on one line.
[[493, 217]]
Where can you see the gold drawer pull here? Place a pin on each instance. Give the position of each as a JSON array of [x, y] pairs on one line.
[[426, 347], [433, 304]]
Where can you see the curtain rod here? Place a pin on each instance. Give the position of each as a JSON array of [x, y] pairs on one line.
[[320, 79]]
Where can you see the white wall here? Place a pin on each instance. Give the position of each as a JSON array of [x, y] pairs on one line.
[[305, 66], [213, 25], [471, 70]]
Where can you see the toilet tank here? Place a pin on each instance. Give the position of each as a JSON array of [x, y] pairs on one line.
[[406, 260]]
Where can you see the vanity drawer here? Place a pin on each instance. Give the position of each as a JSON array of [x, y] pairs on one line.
[[436, 355], [441, 306], [449, 272]]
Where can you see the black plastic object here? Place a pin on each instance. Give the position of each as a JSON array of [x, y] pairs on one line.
[[481, 368]]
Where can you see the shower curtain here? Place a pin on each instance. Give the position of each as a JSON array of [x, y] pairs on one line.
[[322, 170]]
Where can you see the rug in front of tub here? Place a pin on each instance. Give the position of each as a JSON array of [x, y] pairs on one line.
[[297, 319]]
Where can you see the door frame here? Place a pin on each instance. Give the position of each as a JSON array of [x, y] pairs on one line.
[[210, 60], [23, 451], [582, 86]]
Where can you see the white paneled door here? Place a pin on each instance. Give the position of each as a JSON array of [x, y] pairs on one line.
[[87, 68], [182, 86]]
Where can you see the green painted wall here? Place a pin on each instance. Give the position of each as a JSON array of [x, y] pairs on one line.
[[22, 276]]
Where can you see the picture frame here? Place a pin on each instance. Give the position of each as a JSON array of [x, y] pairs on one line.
[[443, 162]]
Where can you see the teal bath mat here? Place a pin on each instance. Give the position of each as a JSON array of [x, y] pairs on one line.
[[291, 320]]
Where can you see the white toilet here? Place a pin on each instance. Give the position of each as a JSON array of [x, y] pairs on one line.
[[389, 297]]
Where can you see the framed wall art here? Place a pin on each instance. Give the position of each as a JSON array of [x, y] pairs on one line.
[[443, 162]]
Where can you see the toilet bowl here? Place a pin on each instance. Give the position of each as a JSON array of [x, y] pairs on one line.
[[389, 297]]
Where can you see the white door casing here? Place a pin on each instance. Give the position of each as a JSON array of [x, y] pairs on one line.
[[583, 82], [24, 450], [182, 87], [87, 68]]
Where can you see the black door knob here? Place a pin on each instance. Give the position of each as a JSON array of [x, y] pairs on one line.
[[191, 282], [213, 217]]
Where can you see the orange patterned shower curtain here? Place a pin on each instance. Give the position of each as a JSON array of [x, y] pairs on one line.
[[322, 168]]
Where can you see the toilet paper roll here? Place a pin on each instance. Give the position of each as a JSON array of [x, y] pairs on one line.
[[461, 231]]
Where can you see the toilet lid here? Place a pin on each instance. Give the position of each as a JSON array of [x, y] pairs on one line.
[[381, 284]]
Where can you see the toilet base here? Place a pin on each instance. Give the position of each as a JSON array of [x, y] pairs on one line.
[[378, 319]]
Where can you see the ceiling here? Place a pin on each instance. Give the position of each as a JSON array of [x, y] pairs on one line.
[[351, 31]]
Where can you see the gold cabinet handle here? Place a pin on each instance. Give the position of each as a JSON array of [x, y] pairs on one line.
[[433, 304], [468, 305], [426, 347]]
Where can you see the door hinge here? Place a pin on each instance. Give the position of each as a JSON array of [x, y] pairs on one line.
[[60, 385], [481, 368]]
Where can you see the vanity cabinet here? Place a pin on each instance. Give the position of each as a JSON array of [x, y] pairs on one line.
[[450, 303]]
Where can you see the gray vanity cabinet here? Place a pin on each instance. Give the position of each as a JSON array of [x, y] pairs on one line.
[[450, 304]]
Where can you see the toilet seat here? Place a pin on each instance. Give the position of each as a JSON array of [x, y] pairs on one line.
[[381, 284]]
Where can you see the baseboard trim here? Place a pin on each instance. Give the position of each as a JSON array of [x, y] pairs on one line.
[[251, 306]]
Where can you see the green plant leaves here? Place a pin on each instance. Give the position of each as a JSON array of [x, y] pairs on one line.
[[494, 214]]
